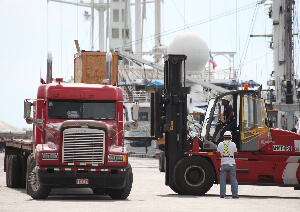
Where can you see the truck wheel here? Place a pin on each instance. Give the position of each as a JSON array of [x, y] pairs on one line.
[[193, 175], [23, 169], [161, 162], [14, 171], [124, 192], [7, 164], [98, 191], [34, 188]]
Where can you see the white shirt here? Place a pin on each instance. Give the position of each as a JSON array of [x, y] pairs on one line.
[[231, 148]]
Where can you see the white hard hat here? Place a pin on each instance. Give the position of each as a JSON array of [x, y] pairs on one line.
[[227, 98], [227, 134]]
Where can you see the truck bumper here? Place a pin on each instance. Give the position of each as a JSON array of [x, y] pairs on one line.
[[106, 177]]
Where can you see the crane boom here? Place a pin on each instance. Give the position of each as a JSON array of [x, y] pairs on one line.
[[190, 78]]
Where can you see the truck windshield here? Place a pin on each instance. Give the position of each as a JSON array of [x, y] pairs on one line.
[[73, 109]]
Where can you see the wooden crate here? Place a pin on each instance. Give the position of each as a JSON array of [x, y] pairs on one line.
[[90, 67]]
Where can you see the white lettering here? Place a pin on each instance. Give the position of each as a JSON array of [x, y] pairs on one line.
[[263, 142], [282, 148]]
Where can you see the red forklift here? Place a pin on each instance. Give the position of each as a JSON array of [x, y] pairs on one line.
[[266, 156]]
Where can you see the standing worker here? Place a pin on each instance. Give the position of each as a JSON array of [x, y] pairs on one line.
[[227, 150], [229, 118]]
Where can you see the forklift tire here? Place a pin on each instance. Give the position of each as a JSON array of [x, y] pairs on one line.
[[33, 186], [161, 162], [193, 175], [122, 193], [98, 191], [14, 171], [175, 189]]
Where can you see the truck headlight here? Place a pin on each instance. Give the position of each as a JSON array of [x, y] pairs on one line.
[[49, 156], [117, 158]]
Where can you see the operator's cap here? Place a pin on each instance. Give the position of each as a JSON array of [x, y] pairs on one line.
[[227, 134], [227, 98]]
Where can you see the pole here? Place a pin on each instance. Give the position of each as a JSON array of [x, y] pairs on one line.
[[157, 58], [92, 26], [138, 26]]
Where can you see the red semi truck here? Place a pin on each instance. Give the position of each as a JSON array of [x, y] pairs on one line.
[[77, 142]]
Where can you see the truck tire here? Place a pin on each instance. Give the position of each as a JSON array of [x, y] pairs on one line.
[[123, 193], [98, 191], [34, 188], [23, 169], [14, 171], [5, 159], [7, 164], [161, 162], [193, 175]]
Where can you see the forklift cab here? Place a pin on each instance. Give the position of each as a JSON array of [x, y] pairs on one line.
[[250, 114], [272, 118]]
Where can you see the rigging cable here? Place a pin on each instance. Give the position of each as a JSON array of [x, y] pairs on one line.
[[61, 40], [206, 20], [297, 39], [77, 18], [183, 17], [203, 21], [245, 51]]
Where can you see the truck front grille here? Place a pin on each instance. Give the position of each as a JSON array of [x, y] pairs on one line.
[[83, 145]]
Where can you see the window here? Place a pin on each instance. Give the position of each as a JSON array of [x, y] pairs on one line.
[[74, 109], [273, 119], [143, 116], [127, 33], [253, 113], [126, 114], [115, 33], [140, 143], [248, 116], [115, 15]]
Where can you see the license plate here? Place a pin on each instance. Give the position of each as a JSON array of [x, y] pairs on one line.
[[82, 181]]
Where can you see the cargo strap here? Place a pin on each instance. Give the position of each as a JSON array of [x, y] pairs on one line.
[[226, 149]]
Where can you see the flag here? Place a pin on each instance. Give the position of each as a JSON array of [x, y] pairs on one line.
[[214, 64], [86, 16]]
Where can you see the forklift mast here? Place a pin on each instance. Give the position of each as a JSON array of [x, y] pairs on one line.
[[169, 115]]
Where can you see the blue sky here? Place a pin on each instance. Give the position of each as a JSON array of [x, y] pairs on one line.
[[31, 28]]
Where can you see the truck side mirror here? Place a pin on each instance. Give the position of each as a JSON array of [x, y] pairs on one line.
[[27, 112], [135, 111]]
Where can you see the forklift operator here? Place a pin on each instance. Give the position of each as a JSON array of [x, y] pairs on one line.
[[229, 118]]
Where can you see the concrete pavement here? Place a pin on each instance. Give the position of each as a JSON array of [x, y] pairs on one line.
[[150, 194]]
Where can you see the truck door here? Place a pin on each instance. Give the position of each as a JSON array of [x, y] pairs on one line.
[[253, 125]]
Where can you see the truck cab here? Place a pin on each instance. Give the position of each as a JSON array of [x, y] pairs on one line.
[[77, 140]]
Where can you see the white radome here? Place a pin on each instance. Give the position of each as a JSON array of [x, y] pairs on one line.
[[194, 47]]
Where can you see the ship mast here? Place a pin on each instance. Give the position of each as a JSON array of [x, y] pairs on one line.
[[285, 83]]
